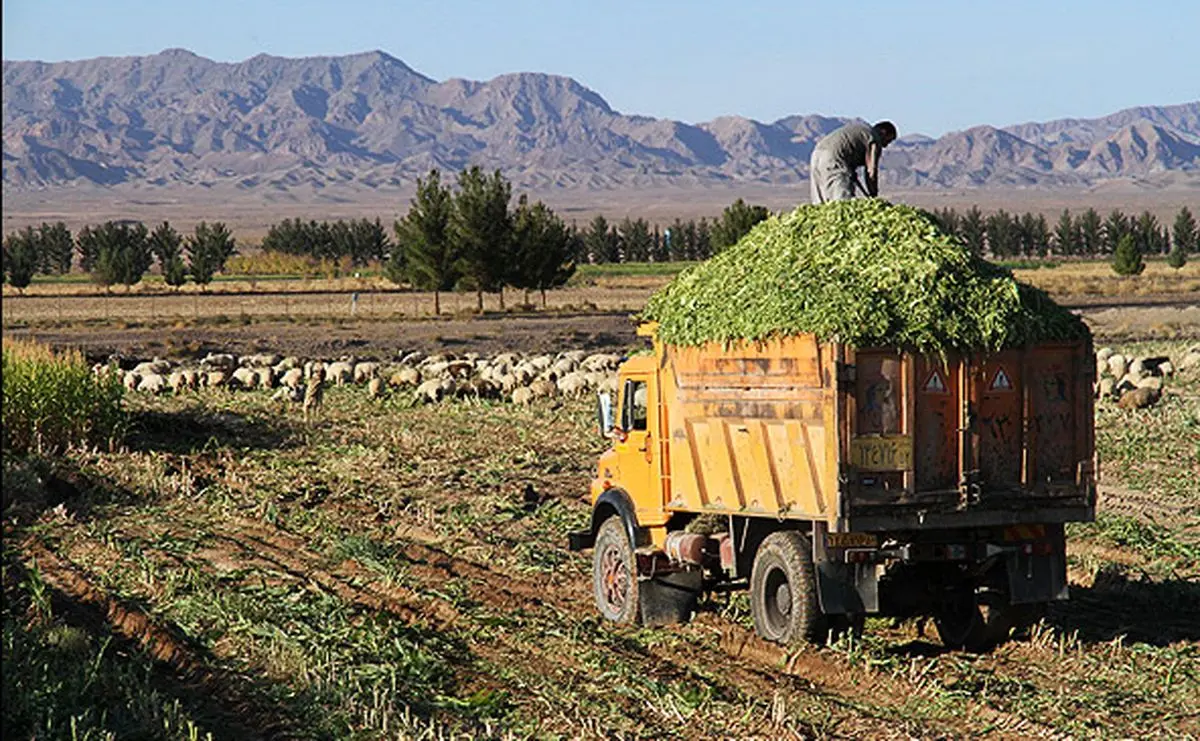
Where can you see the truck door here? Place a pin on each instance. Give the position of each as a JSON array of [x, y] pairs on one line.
[[634, 446]]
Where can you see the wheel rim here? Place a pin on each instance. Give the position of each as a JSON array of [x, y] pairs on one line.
[[614, 575], [777, 601]]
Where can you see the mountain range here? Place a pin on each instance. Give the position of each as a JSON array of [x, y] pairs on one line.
[[178, 119]]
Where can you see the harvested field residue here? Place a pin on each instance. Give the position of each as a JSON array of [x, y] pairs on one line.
[[863, 272]]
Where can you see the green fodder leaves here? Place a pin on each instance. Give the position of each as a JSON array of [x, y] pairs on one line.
[[863, 272], [53, 401]]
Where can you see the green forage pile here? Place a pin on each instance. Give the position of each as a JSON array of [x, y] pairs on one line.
[[862, 272]]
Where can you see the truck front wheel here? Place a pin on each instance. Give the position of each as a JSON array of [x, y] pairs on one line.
[[975, 623], [614, 573], [783, 596]]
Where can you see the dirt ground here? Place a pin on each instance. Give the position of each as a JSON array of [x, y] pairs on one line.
[[492, 333]]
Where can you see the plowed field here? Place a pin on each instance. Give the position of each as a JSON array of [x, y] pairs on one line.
[[397, 570]]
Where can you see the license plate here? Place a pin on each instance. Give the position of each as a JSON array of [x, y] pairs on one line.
[[851, 540], [889, 453]]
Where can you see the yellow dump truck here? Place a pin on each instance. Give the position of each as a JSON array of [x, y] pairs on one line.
[[835, 482]]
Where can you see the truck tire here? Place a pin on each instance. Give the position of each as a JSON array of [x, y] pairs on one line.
[[783, 590], [975, 623], [614, 573]]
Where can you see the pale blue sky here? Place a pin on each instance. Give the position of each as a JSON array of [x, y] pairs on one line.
[[932, 66]]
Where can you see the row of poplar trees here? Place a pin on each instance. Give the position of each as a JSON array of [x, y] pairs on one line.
[[1006, 235], [118, 252]]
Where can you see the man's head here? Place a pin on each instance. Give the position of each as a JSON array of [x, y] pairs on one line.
[[886, 131]]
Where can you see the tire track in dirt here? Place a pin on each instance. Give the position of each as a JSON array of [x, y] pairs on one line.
[[223, 693], [749, 661]]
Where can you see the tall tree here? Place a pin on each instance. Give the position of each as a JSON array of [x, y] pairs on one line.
[[21, 257], [1127, 258], [118, 252], [1185, 234], [208, 247], [165, 245], [425, 254], [658, 251], [1002, 234], [543, 252], [636, 239], [1066, 235], [973, 231], [1115, 226], [1091, 233], [482, 230], [57, 247], [601, 241], [1149, 235], [736, 221], [369, 242]]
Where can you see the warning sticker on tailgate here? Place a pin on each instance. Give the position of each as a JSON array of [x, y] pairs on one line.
[[883, 453]]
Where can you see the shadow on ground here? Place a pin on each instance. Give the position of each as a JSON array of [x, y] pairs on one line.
[[196, 429]]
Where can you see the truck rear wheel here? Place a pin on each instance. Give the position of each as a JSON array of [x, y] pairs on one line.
[[614, 573], [783, 594]]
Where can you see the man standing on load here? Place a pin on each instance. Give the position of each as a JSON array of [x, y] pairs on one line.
[[833, 168]]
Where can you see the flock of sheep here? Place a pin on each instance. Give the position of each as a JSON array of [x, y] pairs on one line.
[[517, 377], [1136, 383]]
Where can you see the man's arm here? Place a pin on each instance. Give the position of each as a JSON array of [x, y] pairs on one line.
[[872, 168]]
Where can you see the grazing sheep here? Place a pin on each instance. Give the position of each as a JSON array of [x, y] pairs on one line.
[[131, 380], [365, 371], [266, 378], [293, 378], [152, 383], [436, 389], [405, 377], [573, 384], [216, 379], [1139, 398], [262, 360], [157, 365], [177, 381], [522, 396], [1117, 365], [243, 378], [314, 394], [287, 364], [543, 389], [340, 372], [1105, 388], [219, 361], [288, 393], [412, 358], [191, 378], [375, 387]]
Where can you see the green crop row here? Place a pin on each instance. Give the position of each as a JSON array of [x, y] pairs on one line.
[[53, 401]]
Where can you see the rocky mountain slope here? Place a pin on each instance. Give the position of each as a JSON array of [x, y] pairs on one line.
[[175, 118]]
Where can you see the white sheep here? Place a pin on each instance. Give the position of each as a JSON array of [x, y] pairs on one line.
[[292, 378], [365, 371], [340, 372], [152, 383]]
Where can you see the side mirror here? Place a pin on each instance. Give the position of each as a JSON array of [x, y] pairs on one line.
[[604, 414]]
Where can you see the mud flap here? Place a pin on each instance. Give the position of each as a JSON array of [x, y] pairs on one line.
[[843, 588], [1036, 578], [670, 598]]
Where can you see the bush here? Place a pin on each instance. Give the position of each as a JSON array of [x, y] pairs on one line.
[[53, 401]]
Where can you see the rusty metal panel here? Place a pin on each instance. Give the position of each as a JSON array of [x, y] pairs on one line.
[[937, 417], [1000, 420], [1052, 421]]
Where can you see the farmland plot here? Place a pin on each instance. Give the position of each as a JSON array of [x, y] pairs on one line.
[[394, 570]]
